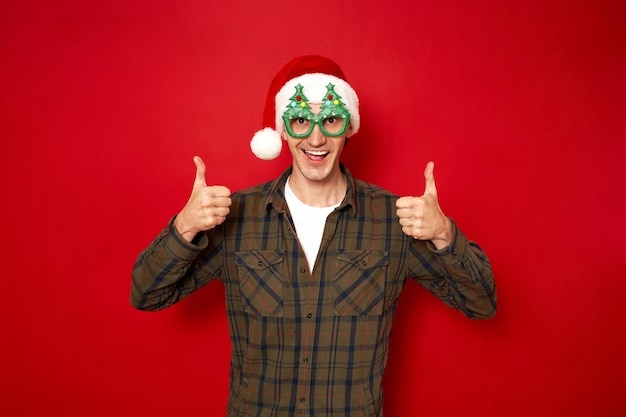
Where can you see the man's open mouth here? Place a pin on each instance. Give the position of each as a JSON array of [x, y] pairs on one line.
[[316, 155]]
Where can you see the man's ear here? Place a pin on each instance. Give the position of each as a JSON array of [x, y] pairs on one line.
[[349, 130]]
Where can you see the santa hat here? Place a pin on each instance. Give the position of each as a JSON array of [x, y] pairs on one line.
[[313, 73]]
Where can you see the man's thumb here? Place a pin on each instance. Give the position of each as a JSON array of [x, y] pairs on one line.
[[429, 179], [200, 180]]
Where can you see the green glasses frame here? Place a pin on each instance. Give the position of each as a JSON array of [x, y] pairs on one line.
[[315, 120]]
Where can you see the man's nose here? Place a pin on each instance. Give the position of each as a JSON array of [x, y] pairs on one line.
[[316, 138]]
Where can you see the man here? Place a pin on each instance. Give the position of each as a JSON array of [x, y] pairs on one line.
[[313, 262]]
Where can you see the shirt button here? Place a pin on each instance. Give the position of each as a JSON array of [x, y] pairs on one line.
[[309, 315], [303, 270], [302, 399], [305, 360]]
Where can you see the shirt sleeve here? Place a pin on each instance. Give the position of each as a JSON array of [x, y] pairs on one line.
[[460, 275], [169, 269]]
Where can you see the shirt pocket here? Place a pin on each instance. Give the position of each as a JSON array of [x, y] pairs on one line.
[[260, 282], [360, 282]]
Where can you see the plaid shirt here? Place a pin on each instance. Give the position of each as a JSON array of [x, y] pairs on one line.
[[311, 342]]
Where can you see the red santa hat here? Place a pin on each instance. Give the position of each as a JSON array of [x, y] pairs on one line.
[[313, 73]]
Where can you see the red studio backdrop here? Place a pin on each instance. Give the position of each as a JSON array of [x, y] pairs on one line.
[[520, 104]]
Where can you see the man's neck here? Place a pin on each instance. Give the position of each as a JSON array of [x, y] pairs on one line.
[[328, 192]]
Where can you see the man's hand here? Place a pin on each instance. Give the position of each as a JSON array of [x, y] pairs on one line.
[[422, 218], [207, 207]]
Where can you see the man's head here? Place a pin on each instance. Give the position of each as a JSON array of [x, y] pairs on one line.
[[305, 81]]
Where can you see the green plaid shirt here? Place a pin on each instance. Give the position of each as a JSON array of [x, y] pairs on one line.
[[311, 342]]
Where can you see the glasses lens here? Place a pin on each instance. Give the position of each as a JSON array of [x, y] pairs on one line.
[[299, 126], [334, 125]]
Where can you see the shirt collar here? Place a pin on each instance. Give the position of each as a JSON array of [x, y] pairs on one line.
[[276, 197]]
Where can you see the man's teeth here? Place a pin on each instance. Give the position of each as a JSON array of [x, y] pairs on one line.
[[317, 153]]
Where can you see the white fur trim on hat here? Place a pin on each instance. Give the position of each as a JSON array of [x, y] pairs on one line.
[[314, 88]]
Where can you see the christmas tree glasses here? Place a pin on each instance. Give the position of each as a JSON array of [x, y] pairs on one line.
[[332, 119]]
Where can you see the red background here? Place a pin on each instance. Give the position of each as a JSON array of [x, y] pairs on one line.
[[521, 105]]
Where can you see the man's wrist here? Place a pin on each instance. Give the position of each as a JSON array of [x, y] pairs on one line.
[[183, 229], [445, 237]]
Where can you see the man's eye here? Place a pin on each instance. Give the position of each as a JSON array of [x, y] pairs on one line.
[[301, 120]]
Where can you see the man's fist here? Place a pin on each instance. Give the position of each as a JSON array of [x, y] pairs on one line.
[[422, 218], [207, 207]]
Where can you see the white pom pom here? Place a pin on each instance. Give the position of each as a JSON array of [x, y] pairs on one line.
[[266, 144]]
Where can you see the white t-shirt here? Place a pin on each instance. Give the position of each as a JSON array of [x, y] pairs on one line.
[[309, 222]]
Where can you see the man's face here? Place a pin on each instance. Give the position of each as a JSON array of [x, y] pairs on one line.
[[316, 157]]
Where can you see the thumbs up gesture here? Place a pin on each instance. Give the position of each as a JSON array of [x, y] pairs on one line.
[[422, 218], [207, 207]]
